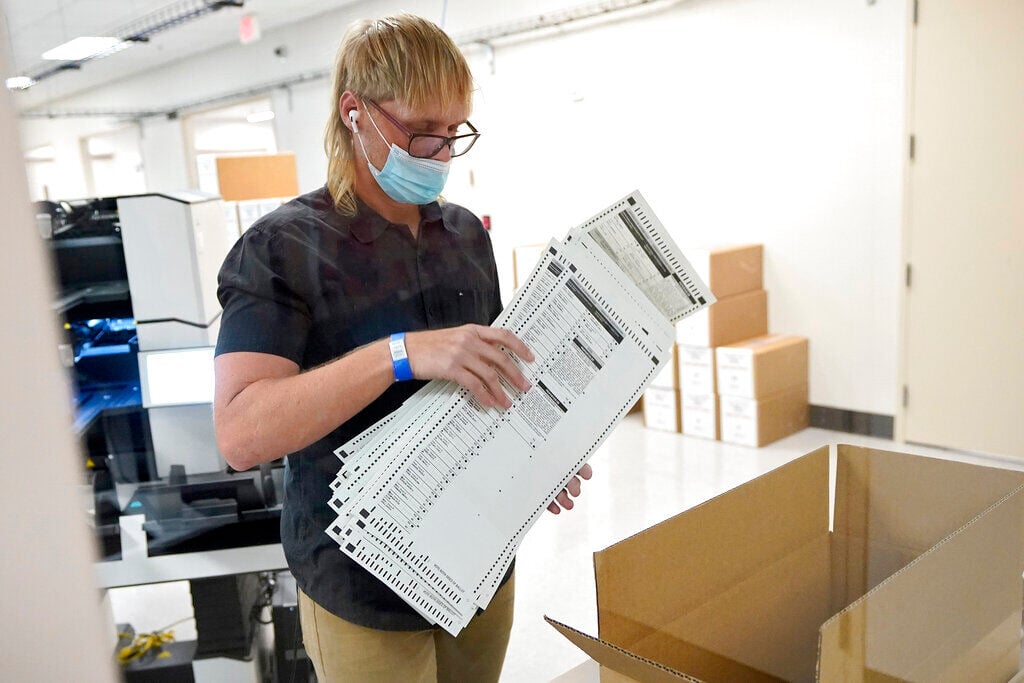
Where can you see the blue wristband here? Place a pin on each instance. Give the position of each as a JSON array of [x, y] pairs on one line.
[[399, 357]]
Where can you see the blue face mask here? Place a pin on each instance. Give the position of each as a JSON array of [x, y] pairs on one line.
[[405, 178]]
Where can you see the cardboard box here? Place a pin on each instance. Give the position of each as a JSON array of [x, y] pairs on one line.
[[661, 409], [726, 321], [759, 421], [666, 379], [700, 415], [919, 578], [257, 176], [696, 369], [729, 270], [761, 366]]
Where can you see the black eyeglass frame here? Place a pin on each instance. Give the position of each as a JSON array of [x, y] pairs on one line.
[[442, 140]]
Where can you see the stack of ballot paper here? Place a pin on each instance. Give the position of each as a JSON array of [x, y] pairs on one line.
[[435, 499]]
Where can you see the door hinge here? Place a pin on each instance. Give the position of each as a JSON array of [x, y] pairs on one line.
[[913, 147], [909, 274], [915, 12], [906, 395]]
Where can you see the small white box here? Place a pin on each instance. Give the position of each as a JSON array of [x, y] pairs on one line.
[[248, 213], [666, 378], [739, 420], [661, 409], [696, 374], [700, 415], [231, 221], [756, 422], [761, 366]]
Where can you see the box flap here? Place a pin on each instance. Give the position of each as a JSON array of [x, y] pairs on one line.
[[954, 613], [620, 660], [875, 489], [650, 582]]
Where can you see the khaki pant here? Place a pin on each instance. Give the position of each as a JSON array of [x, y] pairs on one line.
[[342, 651]]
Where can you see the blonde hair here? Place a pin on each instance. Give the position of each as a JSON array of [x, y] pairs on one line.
[[403, 57]]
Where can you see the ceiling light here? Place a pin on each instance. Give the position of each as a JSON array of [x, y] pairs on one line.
[[83, 48], [19, 83], [74, 53], [260, 116]]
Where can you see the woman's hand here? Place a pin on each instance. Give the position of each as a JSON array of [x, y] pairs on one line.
[[573, 488], [472, 357]]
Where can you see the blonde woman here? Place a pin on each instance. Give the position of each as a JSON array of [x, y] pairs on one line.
[[317, 295]]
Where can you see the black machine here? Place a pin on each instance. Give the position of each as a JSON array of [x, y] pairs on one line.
[[207, 512], [87, 251], [101, 349]]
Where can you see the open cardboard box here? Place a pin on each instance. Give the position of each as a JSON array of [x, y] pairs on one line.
[[919, 578]]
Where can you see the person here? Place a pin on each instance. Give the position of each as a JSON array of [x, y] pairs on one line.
[[312, 294]]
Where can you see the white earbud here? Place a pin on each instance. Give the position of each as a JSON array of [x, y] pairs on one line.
[[353, 116]]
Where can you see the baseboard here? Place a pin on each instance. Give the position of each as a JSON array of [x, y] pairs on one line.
[[840, 420]]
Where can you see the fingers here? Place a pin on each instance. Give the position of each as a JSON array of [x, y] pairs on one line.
[[573, 487], [475, 386], [500, 360], [489, 391], [564, 500], [586, 471], [553, 508], [499, 335], [488, 364]]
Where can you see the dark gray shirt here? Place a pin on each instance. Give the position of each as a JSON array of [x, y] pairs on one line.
[[310, 285]]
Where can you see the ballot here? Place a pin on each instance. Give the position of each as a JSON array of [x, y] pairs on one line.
[[435, 499]]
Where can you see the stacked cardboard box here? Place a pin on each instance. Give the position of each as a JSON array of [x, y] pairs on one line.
[[734, 381], [762, 388], [735, 276], [661, 400]]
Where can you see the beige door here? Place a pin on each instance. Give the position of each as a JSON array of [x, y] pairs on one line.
[[963, 348]]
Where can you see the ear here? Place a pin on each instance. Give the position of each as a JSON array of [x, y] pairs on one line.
[[347, 104]]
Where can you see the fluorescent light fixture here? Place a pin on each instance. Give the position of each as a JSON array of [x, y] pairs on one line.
[[260, 116], [84, 47], [19, 83], [174, 378], [74, 53]]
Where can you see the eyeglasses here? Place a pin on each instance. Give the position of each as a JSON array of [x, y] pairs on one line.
[[426, 146]]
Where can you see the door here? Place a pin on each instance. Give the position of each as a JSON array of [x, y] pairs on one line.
[[963, 361]]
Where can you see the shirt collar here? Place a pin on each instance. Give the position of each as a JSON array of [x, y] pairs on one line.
[[367, 225]]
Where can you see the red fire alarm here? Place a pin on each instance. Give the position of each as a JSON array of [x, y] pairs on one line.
[[248, 29]]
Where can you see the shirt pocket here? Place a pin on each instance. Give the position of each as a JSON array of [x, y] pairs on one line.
[[464, 305]]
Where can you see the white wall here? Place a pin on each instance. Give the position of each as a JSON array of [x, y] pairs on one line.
[[776, 121], [67, 176], [163, 155], [122, 172], [740, 120], [300, 117]]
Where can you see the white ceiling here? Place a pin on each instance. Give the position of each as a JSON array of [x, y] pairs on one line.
[[35, 26]]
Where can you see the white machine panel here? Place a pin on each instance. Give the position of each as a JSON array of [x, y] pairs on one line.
[[174, 246], [176, 377]]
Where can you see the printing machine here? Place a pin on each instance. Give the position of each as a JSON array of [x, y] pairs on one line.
[[137, 280]]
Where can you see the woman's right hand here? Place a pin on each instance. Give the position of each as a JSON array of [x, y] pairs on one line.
[[471, 356]]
